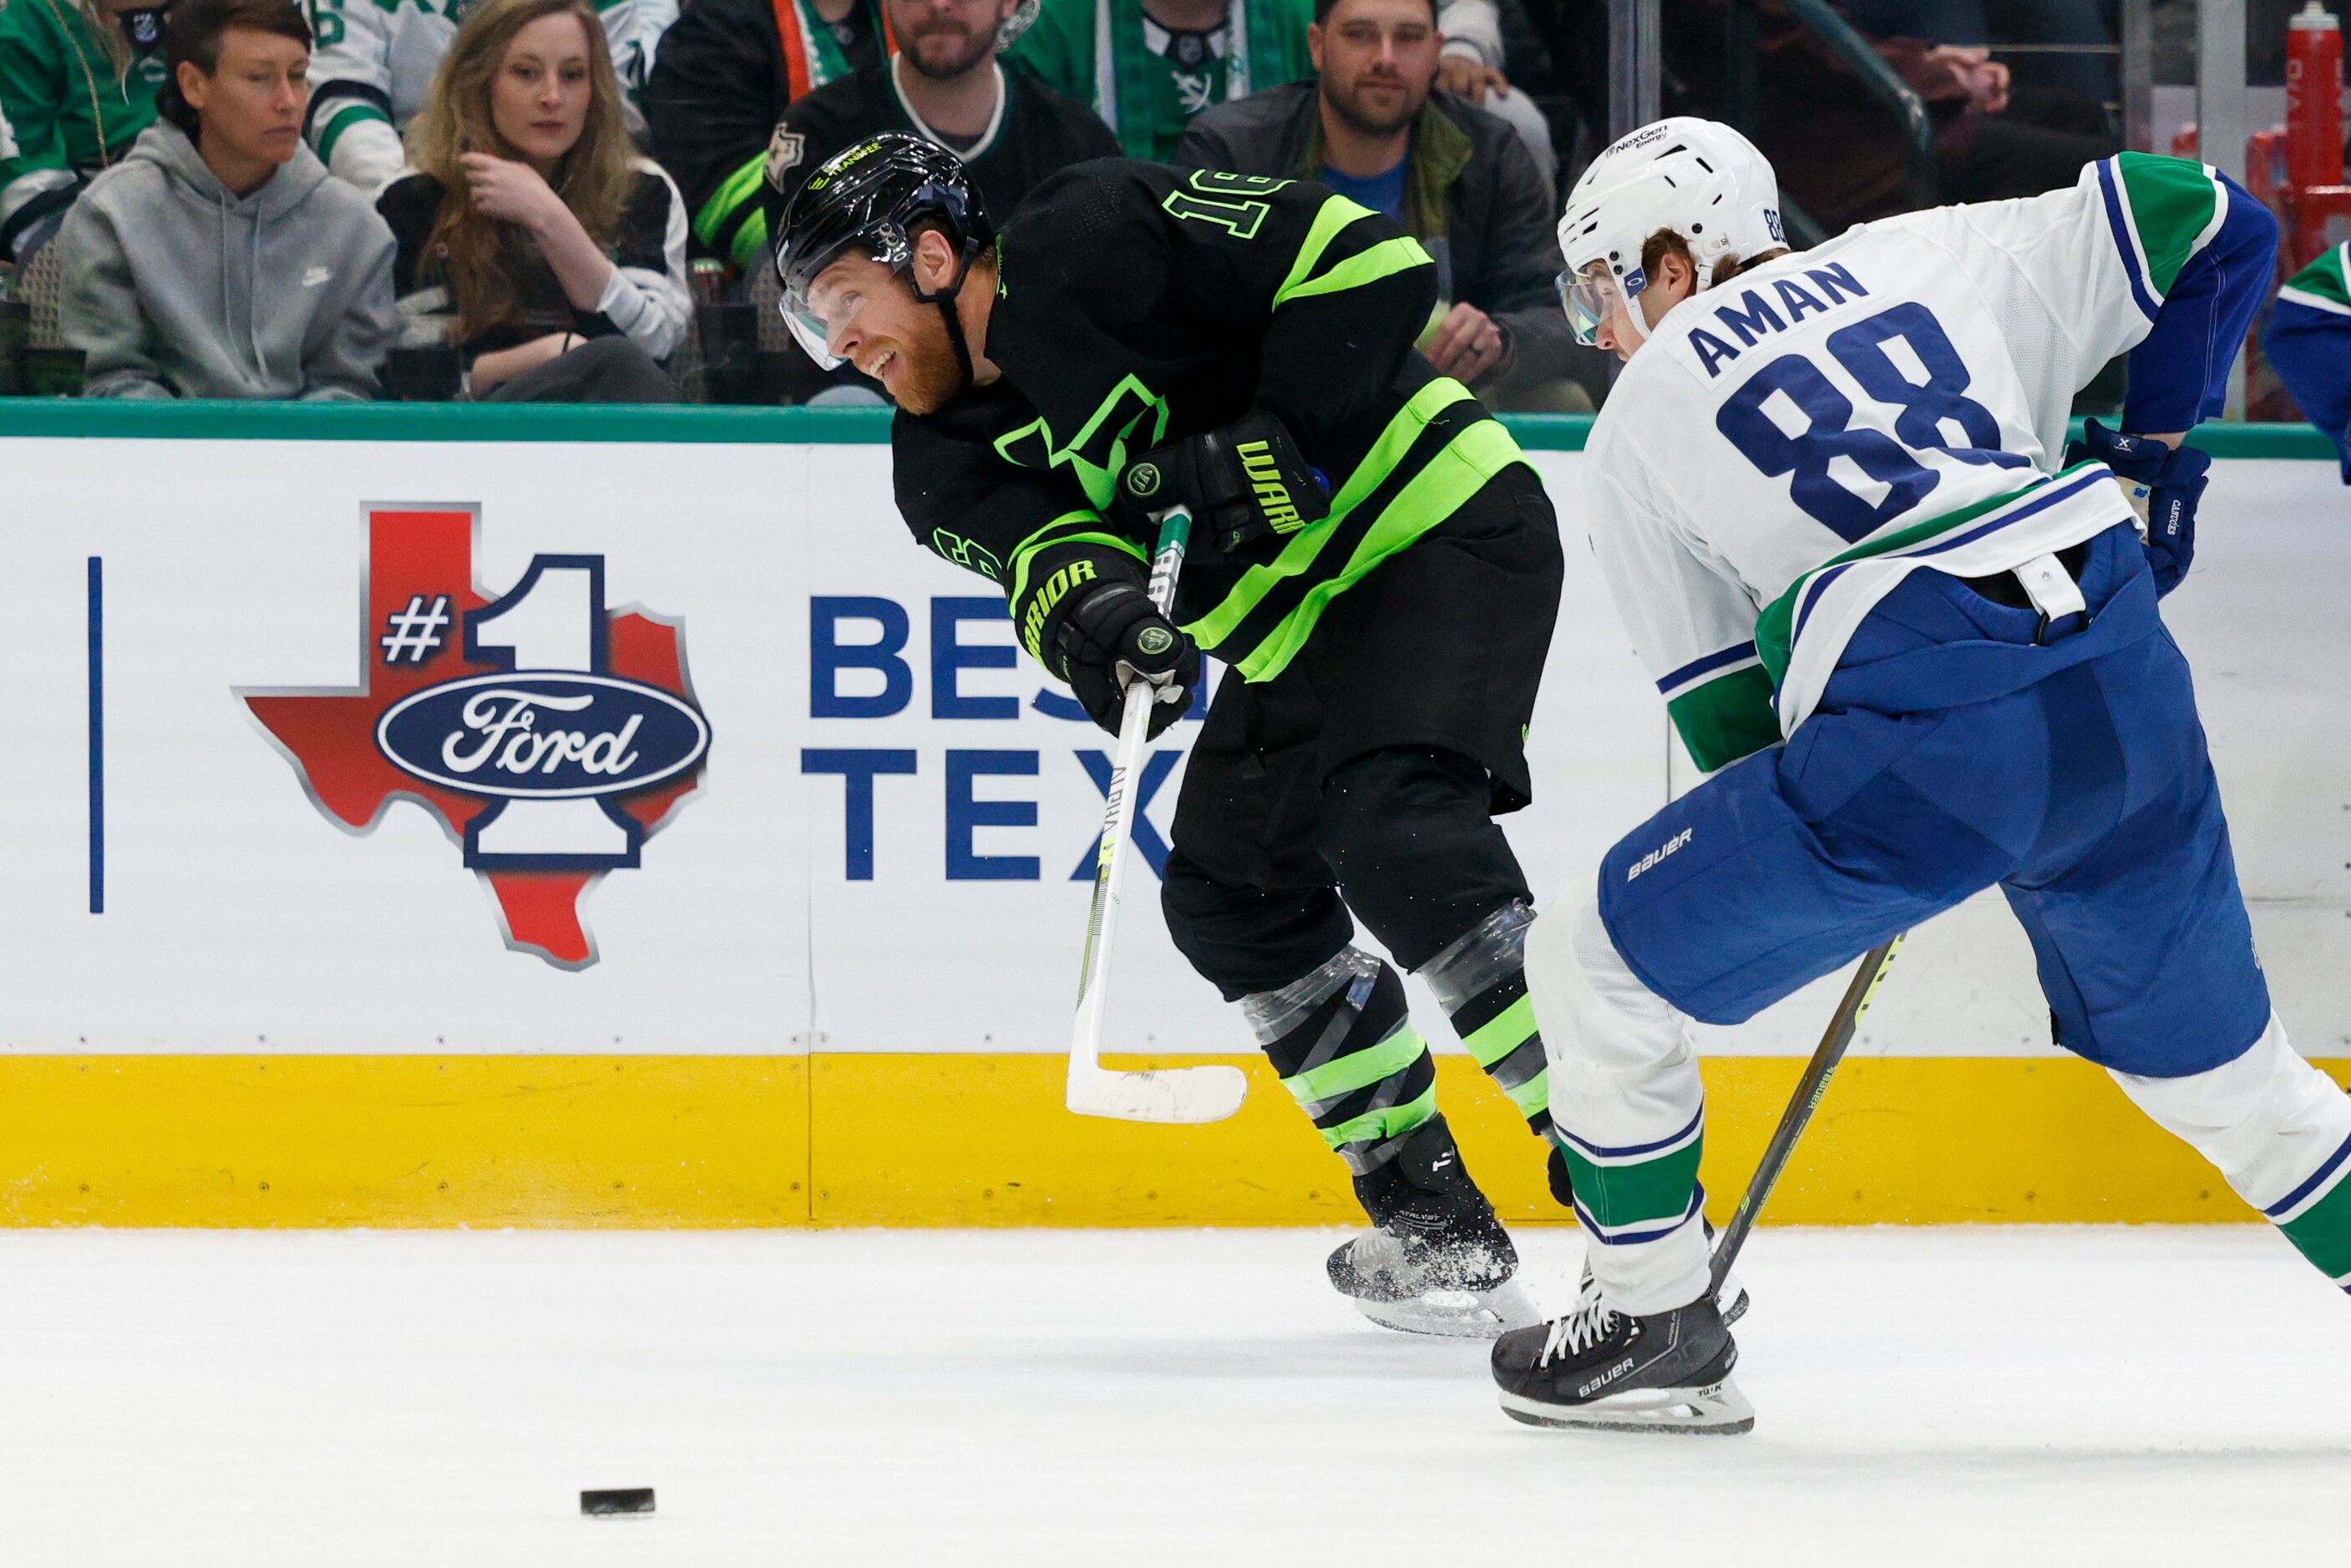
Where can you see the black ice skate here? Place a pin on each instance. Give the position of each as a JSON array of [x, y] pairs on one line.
[[1598, 1368], [1437, 1260]]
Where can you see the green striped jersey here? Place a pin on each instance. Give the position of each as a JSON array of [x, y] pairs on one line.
[[1790, 442], [2309, 345], [1139, 305]]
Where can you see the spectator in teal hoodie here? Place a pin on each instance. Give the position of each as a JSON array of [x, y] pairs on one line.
[[219, 260]]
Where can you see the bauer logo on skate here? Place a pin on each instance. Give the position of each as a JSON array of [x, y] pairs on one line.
[[548, 737]]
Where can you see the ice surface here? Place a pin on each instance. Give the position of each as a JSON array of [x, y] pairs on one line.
[[1992, 1398]]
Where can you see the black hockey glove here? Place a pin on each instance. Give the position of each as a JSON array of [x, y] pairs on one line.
[[1247, 480], [1109, 629], [1563, 1185], [2171, 481]]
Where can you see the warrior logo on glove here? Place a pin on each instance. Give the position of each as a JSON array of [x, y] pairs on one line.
[[1272, 496], [1244, 482]]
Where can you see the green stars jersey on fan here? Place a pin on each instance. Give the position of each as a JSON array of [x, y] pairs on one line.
[[1148, 82], [1140, 304]]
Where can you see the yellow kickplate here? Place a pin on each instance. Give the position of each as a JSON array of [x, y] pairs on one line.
[[980, 1140], [541, 1141], [983, 1141]]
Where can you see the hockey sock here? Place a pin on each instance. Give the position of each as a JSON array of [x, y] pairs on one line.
[[1481, 981], [1346, 1048], [2278, 1130], [1629, 1110]]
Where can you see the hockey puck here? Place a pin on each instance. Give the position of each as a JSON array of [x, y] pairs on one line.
[[620, 1499]]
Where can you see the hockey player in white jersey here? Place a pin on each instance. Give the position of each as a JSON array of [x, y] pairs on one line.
[[374, 60], [1924, 653]]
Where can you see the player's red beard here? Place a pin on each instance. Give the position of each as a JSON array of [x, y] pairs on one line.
[[946, 49], [927, 374], [1389, 112]]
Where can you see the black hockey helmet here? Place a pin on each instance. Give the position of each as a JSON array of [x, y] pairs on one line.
[[867, 197]]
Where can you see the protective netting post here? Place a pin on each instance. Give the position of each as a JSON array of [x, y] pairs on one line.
[[1633, 30]]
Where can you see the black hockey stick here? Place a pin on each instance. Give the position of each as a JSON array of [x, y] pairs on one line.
[[1809, 1090]]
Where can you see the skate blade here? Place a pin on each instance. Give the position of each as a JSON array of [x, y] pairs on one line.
[[1718, 1407], [1457, 1314]]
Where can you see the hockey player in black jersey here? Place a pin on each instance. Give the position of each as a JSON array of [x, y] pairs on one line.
[[1372, 556]]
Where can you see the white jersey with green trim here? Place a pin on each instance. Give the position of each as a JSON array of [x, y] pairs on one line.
[[374, 63], [1788, 444]]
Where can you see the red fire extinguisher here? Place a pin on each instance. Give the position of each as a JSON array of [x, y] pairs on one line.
[[2314, 99]]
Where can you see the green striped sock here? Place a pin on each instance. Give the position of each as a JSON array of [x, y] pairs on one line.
[[1481, 981], [1347, 1052], [2316, 1217]]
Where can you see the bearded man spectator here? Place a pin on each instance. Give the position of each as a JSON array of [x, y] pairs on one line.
[[1373, 126], [943, 84]]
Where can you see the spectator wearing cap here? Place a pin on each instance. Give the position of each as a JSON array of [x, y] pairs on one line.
[[77, 80], [1373, 126], [532, 237], [218, 259]]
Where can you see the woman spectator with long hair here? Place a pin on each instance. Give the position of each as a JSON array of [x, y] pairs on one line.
[[532, 237]]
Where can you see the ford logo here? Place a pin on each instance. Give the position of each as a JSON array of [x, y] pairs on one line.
[[547, 736]]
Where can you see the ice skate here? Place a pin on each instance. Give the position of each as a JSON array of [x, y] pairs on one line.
[[1599, 1369], [1437, 1260], [1730, 1300]]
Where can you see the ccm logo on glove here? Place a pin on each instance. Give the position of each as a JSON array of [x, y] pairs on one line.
[[2163, 484]]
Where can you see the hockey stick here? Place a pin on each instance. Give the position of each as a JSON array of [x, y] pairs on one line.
[[1168, 1093], [1809, 1090]]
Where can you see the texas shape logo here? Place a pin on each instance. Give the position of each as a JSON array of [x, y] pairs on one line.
[[548, 736]]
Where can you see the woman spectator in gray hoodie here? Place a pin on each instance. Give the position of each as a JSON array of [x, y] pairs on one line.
[[219, 260]]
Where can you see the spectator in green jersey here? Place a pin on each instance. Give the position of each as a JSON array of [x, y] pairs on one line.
[[77, 80], [1147, 67]]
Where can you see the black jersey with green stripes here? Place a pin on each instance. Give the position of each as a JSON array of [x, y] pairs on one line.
[[1139, 304]]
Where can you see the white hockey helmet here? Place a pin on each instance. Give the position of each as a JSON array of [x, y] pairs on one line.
[[1697, 177]]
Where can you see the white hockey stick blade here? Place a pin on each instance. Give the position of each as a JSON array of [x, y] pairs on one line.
[[1178, 1095], [1716, 1409]]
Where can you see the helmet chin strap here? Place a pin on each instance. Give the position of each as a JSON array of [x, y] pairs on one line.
[[1634, 318], [1639, 323], [956, 340]]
